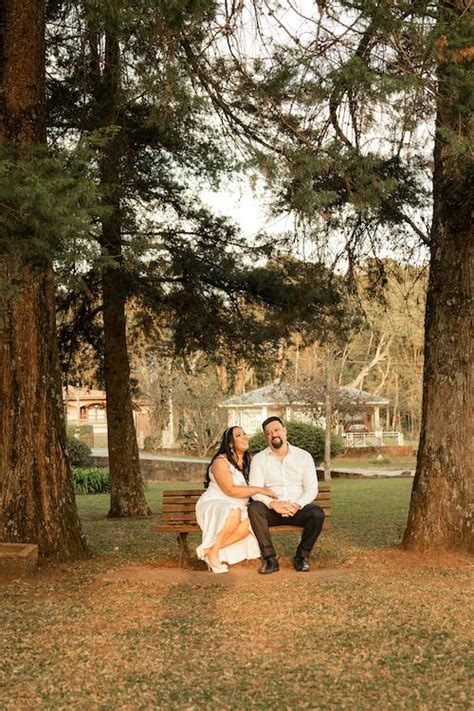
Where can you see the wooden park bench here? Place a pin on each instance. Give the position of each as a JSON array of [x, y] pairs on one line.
[[179, 515]]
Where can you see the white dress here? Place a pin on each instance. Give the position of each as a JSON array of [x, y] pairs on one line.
[[212, 510]]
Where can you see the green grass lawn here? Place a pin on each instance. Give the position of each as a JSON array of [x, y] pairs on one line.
[[372, 628], [367, 513], [370, 462]]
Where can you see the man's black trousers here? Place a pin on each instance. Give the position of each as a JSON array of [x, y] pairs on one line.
[[311, 517]]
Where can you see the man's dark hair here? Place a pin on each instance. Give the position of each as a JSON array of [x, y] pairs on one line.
[[273, 418]]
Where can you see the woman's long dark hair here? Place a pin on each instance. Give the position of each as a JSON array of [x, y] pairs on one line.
[[225, 448]]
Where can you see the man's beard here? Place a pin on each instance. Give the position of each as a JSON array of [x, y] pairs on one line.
[[277, 443]]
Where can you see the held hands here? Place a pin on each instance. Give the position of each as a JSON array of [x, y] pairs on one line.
[[285, 508]]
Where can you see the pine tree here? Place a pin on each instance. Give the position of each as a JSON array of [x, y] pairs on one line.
[[440, 509], [116, 42], [36, 494], [339, 108], [159, 245]]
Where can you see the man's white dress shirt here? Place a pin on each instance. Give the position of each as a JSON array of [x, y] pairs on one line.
[[293, 477]]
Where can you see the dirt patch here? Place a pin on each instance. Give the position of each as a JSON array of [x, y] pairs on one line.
[[237, 575], [399, 560], [385, 629]]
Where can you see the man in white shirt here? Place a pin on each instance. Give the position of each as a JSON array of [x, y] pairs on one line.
[[291, 473]]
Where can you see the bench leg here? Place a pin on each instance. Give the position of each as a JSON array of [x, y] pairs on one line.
[[184, 553]]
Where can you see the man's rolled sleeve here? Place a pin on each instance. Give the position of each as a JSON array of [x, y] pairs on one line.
[[310, 482], [257, 478]]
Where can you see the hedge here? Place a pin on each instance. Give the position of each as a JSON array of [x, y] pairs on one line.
[[79, 452], [306, 436]]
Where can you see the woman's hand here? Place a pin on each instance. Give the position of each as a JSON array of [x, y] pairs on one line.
[[268, 492]]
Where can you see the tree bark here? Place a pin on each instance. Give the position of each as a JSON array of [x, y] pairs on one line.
[[439, 515], [127, 495], [328, 413], [37, 501]]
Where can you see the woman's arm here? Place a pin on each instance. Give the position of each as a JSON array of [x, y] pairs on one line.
[[223, 477]]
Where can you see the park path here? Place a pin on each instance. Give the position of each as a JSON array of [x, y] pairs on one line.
[[350, 471]]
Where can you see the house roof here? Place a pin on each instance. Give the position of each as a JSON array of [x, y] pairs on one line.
[[284, 394], [84, 394], [88, 396]]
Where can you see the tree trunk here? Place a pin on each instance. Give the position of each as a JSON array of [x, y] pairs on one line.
[[328, 413], [439, 514], [395, 404], [127, 496], [37, 501]]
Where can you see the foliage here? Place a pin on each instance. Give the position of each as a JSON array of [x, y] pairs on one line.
[[337, 103], [83, 433], [90, 480], [187, 271], [195, 399], [151, 443], [382, 353], [48, 201], [79, 452], [304, 435]]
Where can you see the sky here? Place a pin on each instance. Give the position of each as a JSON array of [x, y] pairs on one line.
[[247, 206]]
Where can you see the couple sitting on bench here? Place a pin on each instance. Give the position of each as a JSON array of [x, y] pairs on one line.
[[282, 483]]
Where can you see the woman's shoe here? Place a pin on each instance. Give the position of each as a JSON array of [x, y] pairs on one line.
[[221, 568], [201, 556]]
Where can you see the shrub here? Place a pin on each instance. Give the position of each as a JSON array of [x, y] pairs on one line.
[[86, 435], [381, 459], [151, 443], [70, 431], [79, 452], [306, 436], [90, 480]]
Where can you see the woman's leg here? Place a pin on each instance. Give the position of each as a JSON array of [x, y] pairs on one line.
[[242, 531], [231, 523]]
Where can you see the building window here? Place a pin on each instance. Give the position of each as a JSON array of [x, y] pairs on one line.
[[249, 420]]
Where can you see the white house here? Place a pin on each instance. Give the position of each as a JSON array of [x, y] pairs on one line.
[[363, 417]]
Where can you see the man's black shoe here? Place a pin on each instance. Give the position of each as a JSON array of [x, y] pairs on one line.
[[270, 565], [301, 564]]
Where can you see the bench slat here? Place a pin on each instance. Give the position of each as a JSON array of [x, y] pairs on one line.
[[186, 498], [189, 516], [181, 500], [187, 507], [191, 500], [170, 528], [194, 528], [182, 492], [178, 507], [185, 493]]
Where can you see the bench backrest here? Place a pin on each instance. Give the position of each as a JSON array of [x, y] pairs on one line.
[[179, 505]]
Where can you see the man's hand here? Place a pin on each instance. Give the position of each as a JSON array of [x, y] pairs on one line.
[[284, 508], [294, 508]]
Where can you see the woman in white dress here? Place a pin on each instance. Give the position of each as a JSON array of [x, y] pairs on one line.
[[221, 511]]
